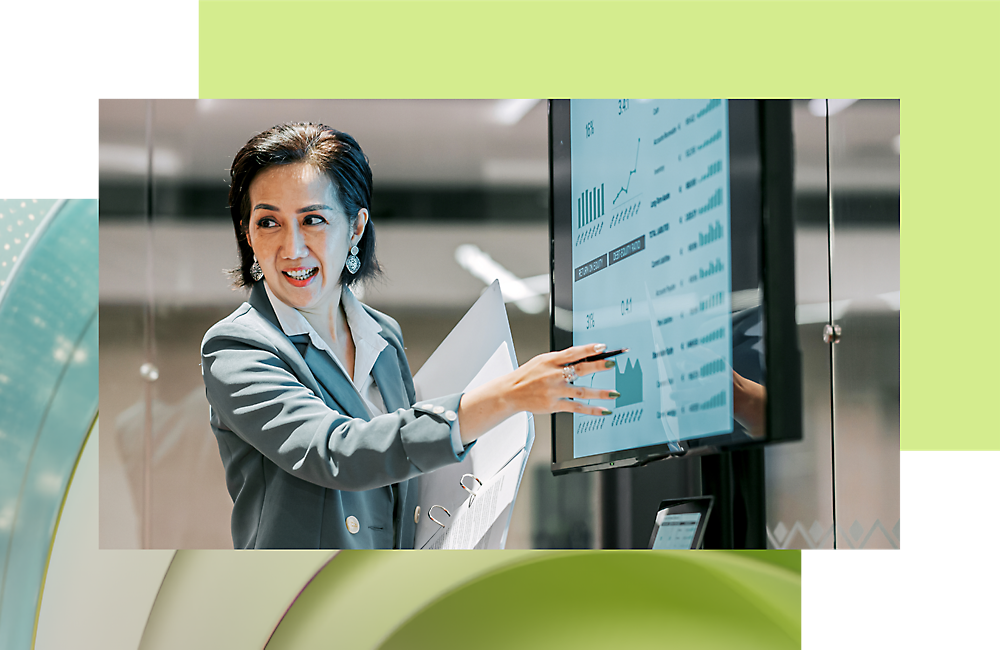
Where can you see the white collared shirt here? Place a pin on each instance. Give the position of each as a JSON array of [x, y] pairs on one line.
[[368, 344]]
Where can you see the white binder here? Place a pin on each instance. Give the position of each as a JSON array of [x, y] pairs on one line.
[[469, 504]]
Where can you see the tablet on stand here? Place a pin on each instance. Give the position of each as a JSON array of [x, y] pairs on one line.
[[680, 523]]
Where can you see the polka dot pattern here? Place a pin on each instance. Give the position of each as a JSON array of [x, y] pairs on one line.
[[18, 220]]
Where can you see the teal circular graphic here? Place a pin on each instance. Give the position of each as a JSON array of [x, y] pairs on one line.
[[48, 387]]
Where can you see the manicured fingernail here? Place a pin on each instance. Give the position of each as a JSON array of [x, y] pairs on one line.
[[614, 393], [600, 347], [610, 363], [605, 412]]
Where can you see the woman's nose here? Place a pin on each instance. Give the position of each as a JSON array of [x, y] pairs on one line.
[[295, 243]]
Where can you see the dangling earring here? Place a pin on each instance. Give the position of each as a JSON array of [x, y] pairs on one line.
[[255, 271], [353, 263]]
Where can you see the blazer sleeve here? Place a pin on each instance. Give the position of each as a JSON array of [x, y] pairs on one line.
[[254, 393]]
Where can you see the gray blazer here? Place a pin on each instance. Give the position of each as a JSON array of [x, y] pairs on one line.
[[306, 466]]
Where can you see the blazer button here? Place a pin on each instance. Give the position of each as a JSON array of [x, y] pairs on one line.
[[439, 410], [352, 525], [450, 416], [416, 515]]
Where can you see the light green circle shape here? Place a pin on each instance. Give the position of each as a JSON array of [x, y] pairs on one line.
[[529, 599]]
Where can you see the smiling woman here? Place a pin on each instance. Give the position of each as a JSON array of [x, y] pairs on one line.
[[312, 399], [299, 234]]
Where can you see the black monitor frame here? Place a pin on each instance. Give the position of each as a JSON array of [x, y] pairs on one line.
[[773, 120]]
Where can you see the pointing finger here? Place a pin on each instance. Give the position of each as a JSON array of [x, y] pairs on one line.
[[577, 352]]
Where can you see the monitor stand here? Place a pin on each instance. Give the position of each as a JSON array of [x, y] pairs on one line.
[[736, 479]]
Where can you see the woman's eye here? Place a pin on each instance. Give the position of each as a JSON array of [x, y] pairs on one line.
[[266, 222], [313, 220]]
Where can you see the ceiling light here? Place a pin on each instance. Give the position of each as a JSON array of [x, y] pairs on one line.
[[891, 299], [513, 288], [818, 106], [820, 312], [133, 159], [510, 111], [516, 172]]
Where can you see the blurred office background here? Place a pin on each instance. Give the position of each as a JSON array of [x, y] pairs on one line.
[[461, 196]]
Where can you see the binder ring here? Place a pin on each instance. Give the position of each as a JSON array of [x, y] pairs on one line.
[[472, 498], [431, 517]]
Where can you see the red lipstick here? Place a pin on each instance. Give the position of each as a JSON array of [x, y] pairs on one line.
[[300, 277]]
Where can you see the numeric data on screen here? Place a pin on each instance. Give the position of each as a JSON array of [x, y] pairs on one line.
[[677, 531], [651, 255]]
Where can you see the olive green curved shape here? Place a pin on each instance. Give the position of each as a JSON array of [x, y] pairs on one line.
[[48, 399], [610, 599], [502, 599], [361, 596]]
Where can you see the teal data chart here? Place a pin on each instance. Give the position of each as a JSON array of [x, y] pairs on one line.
[[651, 267]]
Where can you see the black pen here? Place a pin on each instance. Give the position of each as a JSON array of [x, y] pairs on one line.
[[602, 355]]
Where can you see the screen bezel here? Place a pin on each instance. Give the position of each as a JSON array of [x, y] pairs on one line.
[[773, 121]]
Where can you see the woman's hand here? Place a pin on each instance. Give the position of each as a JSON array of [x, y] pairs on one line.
[[539, 386]]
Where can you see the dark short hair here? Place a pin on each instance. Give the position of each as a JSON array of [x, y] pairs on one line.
[[335, 153]]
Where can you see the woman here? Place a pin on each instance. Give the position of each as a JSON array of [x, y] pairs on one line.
[[312, 400]]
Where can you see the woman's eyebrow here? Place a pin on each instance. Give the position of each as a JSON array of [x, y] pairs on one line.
[[314, 208], [309, 208]]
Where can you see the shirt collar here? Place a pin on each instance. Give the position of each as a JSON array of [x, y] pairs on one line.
[[368, 343]]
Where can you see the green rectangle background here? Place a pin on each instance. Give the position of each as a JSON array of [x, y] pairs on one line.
[[934, 56]]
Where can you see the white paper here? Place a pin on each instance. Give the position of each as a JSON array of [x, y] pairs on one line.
[[467, 348], [478, 350]]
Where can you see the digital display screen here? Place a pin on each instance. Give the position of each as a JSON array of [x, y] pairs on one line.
[[651, 262], [677, 531]]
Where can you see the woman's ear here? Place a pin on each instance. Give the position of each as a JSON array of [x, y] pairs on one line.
[[359, 226]]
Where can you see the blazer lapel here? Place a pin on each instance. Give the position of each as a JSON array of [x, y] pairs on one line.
[[389, 378], [336, 383], [301, 343]]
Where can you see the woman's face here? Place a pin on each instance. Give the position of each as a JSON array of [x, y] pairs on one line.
[[300, 234]]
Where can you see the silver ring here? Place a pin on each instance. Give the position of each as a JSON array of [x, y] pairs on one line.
[[569, 374], [432, 516], [472, 493]]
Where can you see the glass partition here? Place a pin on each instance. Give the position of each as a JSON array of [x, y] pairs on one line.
[[864, 181], [839, 487], [798, 475]]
